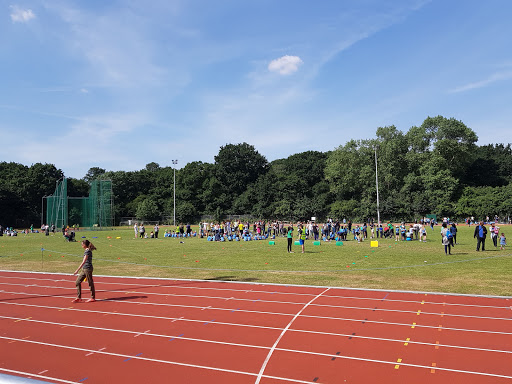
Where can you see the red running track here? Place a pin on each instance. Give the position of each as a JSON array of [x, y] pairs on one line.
[[158, 330]]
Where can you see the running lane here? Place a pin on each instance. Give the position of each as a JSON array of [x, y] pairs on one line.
[[153, 330]]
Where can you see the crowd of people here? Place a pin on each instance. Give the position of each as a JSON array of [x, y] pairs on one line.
[[328, 231], [344, 230], [181, 230], [331, 230], [489, 220]]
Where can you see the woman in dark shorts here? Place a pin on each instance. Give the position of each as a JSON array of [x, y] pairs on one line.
[[85, 273]]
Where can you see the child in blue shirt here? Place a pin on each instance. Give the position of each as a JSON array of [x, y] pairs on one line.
[[503, 241]]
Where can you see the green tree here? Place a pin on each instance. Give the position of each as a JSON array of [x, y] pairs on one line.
[[39, 181], [77, 188], [350, 171], [93, 173], [236, 167], [147, 209], [186, 212], [152, 167], [22, 189], [453, 141], [491, 166], [192, 184]]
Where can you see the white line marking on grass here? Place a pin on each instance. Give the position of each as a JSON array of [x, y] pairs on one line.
[[258, 379]]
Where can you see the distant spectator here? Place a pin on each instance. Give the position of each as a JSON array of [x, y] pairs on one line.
[[496, 234], [289, 236], [453, 230], [423, 232], [445, 232], [480, 234], [302, 236]]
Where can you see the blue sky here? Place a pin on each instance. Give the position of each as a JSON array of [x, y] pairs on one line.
[[119, 84]]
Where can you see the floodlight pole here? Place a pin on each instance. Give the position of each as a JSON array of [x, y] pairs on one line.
[[377, 186], [174, 162]]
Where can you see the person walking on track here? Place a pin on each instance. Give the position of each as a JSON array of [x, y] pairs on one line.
[[85, 273]]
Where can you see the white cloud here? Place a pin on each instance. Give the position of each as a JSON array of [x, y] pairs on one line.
[[19, 15], [500, 76], [105, 129], [285, 65]]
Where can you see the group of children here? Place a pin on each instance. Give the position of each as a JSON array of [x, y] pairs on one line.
[[503, 240], [495, 233], [8, 231]]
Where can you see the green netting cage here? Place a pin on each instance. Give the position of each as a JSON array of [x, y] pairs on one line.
[[95, 211], [57, 205]]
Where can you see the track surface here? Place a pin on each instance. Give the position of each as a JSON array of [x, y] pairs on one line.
[[181, 331]]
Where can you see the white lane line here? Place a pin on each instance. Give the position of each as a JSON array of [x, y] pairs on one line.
[[409, 324], [296, 293], [269, 355], [29, 375], [150, 316], [136, 334], [156, 361], [409, 365], [259, 312], [176, 282], [145, 333], [278, 302], [92, 353], [399, 341], [258, 347]]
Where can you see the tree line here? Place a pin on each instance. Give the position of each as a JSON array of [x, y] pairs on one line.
[[435, 168]]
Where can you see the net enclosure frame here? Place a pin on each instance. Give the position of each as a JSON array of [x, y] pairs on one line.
[[95, 211]]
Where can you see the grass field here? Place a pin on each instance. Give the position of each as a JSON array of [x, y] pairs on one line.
[[415, 265]]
